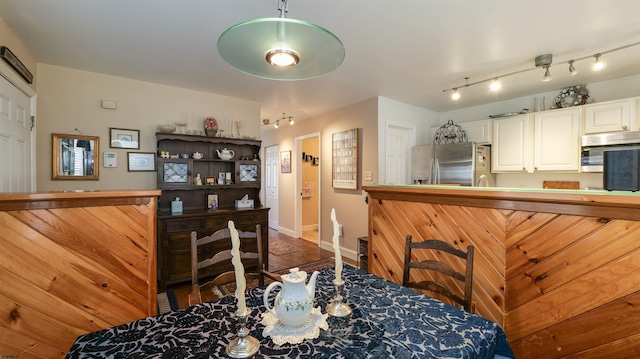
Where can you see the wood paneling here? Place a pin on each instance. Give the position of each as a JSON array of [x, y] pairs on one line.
[[564, 284], [73, 263]]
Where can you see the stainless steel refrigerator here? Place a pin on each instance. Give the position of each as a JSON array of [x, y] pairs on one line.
[[466, 164]]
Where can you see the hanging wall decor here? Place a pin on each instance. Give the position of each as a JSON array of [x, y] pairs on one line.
[[345, 159]]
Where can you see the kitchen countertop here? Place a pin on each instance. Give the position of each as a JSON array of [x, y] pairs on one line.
[[619, 204]]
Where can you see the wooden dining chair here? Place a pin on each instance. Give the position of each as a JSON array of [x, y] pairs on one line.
[[433, 269], [216, 250]]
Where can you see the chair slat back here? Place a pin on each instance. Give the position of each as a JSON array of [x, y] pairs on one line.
[[435, 283]]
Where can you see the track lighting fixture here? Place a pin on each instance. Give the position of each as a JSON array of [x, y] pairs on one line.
[[455, 96], [277, 124], [572, 70], [543, 61], [599, 64], [495, 85], [291, 120]]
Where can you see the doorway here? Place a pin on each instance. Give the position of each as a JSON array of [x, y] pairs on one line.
[[271, 184], [308, 164]]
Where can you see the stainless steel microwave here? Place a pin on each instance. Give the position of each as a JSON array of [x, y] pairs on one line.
[[594, 146]]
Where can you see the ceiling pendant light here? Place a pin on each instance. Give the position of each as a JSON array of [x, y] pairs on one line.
[[599, 64], [281, 48], [572, 69]]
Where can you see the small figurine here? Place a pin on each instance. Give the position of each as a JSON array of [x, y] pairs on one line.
[[198, 180]]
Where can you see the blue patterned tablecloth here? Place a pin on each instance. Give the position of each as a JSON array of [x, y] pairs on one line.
[[388, 321]]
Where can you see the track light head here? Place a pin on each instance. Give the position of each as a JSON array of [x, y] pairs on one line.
[[572, 69], [598, 64], [455, 96]]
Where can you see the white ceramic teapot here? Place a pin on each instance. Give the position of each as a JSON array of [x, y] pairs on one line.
[[225, 154], [197, 155], [293, 304]]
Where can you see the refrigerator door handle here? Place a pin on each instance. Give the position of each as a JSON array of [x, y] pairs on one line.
[[436, 171]]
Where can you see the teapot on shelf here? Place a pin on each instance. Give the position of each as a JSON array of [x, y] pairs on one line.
[[225, 154], [196, 155], [294, 302]]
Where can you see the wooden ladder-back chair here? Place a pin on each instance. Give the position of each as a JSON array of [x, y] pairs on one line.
[[219, 243], [441, 267]]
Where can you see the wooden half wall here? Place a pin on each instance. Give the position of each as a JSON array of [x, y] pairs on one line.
[[73, 263], [559, 270]]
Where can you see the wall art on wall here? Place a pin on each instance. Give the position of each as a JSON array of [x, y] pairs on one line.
[[141, 161], [123, 138], [344, 149], [285, 161]]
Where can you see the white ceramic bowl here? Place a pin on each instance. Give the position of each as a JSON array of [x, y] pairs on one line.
[[166, 128]]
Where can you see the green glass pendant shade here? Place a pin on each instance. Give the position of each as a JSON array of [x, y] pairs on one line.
[[245, 46]]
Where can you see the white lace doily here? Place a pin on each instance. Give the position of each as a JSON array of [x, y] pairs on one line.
[[282, 335]]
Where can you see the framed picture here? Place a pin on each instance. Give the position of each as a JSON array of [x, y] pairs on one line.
[[141, 161], [212, 200], [210, 180], [344, 149], [316, 161], [123, 138], [285, 161]]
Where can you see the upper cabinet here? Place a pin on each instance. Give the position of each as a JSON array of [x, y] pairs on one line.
[[611, 116], [556, 141], [511, 150], [544, 141], [479, 132]]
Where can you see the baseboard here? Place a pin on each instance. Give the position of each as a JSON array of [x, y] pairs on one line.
[[349, 253]]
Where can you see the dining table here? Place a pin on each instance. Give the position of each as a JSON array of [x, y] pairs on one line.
[[387, 321]]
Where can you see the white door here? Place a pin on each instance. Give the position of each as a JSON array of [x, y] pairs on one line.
[[397, 159], [15, 139], [271, 182]]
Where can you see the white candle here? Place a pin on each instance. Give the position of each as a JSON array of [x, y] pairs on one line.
[[241, 282], [336, 245]]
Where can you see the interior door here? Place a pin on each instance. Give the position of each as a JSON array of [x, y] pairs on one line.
[[397, 149], [271, 184], [16, 174]]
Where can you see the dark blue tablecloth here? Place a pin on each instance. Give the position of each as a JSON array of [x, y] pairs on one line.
[[388, 321]]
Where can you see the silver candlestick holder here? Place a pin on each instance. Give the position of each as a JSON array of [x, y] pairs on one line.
[[244, 345], [337, 308]]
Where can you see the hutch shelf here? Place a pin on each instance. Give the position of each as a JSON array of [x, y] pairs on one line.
[[177, 178]]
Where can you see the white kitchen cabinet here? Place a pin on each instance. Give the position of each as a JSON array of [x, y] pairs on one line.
[[556, 144], [511, 149], [477, 131], [611, 116]]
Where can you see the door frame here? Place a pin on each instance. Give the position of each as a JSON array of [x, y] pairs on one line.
[[272, 223], [411, 142], [298, 184]]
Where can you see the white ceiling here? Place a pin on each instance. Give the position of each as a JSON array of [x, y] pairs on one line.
[[406, 50]]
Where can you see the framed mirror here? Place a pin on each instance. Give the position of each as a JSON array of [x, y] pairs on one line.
[[75, 157]]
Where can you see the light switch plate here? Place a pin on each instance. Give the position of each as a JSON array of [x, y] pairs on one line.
[[368, 176]]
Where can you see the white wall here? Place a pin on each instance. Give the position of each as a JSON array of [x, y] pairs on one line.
[[70, 99], [350, 205], [394, 113]]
